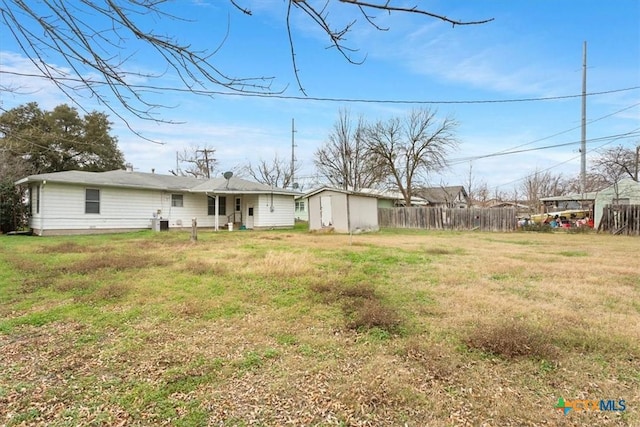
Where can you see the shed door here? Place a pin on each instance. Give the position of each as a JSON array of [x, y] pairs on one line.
[[326, 217]]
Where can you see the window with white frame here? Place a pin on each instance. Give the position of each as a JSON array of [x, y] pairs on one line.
[[91, 201], [211, 205], [177, 200], [300, 206], [35, 199]]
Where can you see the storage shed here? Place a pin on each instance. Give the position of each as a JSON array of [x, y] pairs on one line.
[[342, 211], [624, 192]]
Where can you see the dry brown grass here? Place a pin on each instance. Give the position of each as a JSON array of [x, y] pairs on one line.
[[283, 328], [67, 248], [114, 261], [511, 338], [361, 304]]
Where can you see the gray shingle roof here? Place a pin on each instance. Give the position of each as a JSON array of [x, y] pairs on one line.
[[153, 181]]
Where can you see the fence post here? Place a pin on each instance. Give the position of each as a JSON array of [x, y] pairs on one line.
[[194, 229]]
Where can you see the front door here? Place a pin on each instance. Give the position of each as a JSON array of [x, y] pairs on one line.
[[237, 212], [326, 217], [249, 219]]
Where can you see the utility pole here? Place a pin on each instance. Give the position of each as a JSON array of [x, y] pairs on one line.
[[293, 155], [637, 160], [206, 160], [583, 140]]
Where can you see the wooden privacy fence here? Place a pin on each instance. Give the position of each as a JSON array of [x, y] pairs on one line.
[[485, 219], [621, 219]]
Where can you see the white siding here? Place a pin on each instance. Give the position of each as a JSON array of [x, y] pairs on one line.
[[361, 215], [62, 207], [364, 213], [274, 211], [338, 211], [625, 189]]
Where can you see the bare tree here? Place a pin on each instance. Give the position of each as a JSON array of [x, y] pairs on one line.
[[482, 194], [542, 184], [594, 182], [196, 162], [477, 191], [616, 163], [343, 160], [94, 41], [409, 149], [276, 173]]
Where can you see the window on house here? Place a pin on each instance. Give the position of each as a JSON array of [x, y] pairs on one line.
[[177, 200], [34, 206], [92, 201], [238, 204], [300, 206], [211, 205]]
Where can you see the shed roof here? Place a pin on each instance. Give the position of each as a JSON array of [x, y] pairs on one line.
[[338, 190], [571, 197]]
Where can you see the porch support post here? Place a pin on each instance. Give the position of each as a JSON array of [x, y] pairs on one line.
[[217, 212]]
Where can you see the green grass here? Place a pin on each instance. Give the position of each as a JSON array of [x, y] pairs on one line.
[[290, 328]]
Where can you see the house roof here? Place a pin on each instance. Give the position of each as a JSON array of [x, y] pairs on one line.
[[570, 197], [624, 185], [393, 195], [153, 181], [338, 190], [437, 195], [236, 185]]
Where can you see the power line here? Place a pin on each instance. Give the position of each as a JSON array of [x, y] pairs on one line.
[[326, 99], [571, 129], [630, 134], [508, 150], [560, 163]]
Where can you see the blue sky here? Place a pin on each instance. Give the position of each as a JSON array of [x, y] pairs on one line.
[[532, 49]]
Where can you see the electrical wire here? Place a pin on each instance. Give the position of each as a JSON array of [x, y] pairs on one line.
[[327, 99]]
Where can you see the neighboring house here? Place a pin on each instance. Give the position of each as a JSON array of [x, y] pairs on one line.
[[444, 197], [624, 192], [385, 198], [342, 211], [301, 212], [392, 199], [569, 201], [76, 202]]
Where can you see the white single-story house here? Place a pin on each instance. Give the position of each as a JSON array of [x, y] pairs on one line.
[[77, 202], [624, 192], [301, 208], [342, 211]]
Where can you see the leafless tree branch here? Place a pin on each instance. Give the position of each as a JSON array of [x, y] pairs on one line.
[[91, 40]]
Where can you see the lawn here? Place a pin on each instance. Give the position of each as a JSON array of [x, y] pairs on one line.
[[291, 328]]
